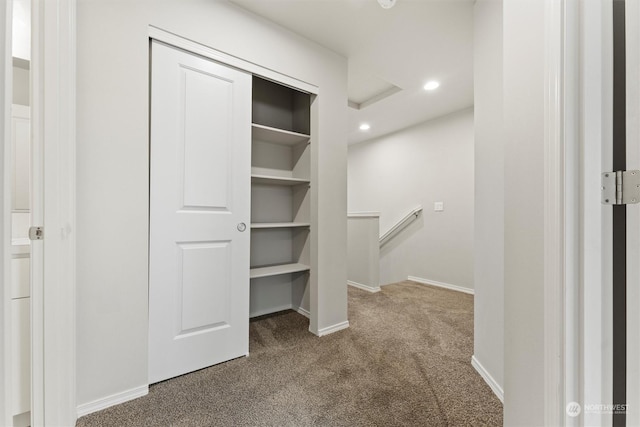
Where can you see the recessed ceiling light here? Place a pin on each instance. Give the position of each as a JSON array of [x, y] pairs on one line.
[[387, 4], [365, 126], [431, 85]]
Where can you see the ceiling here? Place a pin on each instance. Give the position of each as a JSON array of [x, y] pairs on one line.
[[391, 53]]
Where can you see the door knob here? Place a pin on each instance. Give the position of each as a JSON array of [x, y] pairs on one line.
[[242, 226]]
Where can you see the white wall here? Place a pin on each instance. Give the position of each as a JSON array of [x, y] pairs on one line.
[[112, 169], [524, 36], [363, 251], [430, 162], [489, 190]]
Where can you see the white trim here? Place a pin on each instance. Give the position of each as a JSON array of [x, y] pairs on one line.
[[299, 310], [596, 49], [486, 376], [367, 288], [285, 307], [5, 228], [633, 214], [441, 285], [53, 115], [302, 311], [363, 215], [271, 310], [569, 340], [554, 211], [227, 59], [37, 216], [114, 399], [334, 328]]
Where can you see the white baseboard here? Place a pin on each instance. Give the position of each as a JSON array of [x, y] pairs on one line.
[[441, 284], [271, 310], [486, 376], [302, 311], [114, 399], [333, 328], [364, 287]]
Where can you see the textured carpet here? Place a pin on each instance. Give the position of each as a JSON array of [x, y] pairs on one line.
[[405, 361]]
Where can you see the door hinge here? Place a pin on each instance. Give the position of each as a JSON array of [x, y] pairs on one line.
[[621, 187], [36, 233]]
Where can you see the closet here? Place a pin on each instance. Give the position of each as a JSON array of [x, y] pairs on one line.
[[230, 208], [280, 199]]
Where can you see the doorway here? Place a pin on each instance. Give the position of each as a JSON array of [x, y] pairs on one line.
[[48, 368], [19, 177]]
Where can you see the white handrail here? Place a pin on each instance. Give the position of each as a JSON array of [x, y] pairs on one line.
[[400, 225]]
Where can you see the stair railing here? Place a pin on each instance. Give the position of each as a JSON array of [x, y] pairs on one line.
[[400, 225]]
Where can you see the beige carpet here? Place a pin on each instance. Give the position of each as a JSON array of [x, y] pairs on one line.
[[405, 361]]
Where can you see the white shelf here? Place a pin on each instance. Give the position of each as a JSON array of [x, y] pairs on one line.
[[275, 270], [277, 180], [279, 224], [277, 136]]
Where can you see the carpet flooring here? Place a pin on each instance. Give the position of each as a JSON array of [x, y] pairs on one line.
[[404, 361]]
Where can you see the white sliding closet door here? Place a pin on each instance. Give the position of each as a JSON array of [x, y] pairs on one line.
[[199, 213]]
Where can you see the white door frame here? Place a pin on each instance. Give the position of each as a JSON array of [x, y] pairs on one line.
[[577, 328], [597, 219], [633, 213], [53, 93], [554, 209], [596, 77], [578, 265], [561, 209], [6, 89]]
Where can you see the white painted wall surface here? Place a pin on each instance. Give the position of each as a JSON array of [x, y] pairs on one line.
[[430, 162], [363, 250], [524, 60], [488, 270], [113, 157]]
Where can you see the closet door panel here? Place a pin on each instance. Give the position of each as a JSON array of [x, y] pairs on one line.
[[199, 197], [206, 118]]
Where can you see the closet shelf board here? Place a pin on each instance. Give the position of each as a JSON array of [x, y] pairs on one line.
[[277, 136], [275, 270], [277, 180]]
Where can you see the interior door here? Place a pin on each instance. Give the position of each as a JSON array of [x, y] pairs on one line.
[[199, 213]]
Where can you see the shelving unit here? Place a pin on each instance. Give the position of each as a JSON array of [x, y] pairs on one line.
[[280, 199]]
